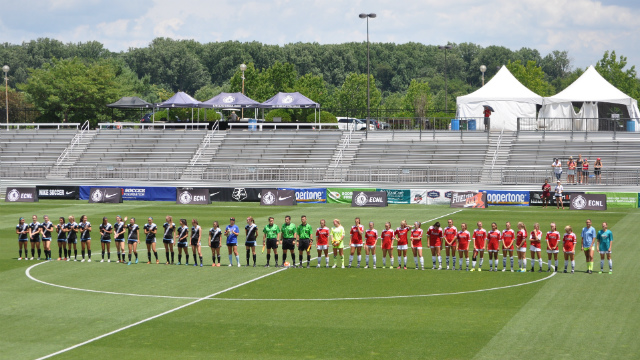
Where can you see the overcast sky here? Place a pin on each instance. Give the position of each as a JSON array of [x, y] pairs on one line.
[[585, 28]]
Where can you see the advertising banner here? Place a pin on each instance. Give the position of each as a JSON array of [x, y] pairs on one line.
[[619, 199], [273, 197], [430, 197], [105, 195], [470, 199], [397, 196], [309, 196], [589, 202], [238, 194], [141, 193], [20, 194], [343, 195], [535, 198], [512, 198], [58, 192], [191, 196], [369, 199]]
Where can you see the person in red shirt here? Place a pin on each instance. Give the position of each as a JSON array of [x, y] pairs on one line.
[[553, 239], [416, 245], [322, 243], [450, 234], [546, 193], [463, 238], [494, 237], [357, 232], [508, 237], [435, 243], [387, 243], [371, 238], [479, 239], [568, 246], [521, 246], [535, 238], [402, 238]]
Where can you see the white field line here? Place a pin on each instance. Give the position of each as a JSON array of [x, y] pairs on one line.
[[440, 217], [157, 316]]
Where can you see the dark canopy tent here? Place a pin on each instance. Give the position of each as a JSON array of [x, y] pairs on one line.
[[293, 100], [179, 100], [130, 103]]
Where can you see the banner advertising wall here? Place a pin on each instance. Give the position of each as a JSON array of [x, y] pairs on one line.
[[141, 193], [589, 202], [343, 195], [430, 197], [272, 197], [105, 195], [619, 199], [397, 196], [191, 196], [469, 199], [535, 198], [58, 192], [20, 194], [309, 196], [513, 198], [369, 199], [238, 194]]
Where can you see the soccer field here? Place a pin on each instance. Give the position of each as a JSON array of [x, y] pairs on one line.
[[109, 310]]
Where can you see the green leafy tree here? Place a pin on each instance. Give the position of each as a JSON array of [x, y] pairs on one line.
[[323, 116], [531, 76], [255, 85], [612, 68], [353, 94], [418, 98], [281, 77]]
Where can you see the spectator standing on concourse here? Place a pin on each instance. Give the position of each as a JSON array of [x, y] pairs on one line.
[[597, 171], [571, 171], [546, 193], [579, 168], [557, 168], [585, 171]]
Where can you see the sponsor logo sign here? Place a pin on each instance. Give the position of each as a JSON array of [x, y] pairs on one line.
[[470, 199], [58, 192], [397, 196], [105, 195], [274, 197], [310, 196], [588, 202], [535, 198], [514, 198], [343, 195], [430, 197], [620, 199], [19, 194], [192, 196], [235, 194], [369, 199]]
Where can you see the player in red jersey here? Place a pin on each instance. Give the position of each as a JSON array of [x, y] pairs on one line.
[[450, 234], [416, 245], [521, 246], [553, 238], [508, 236], [463, 245], [493, 246], [535, 238], [371, 238], [568, 246], [387, 244], [479, 244], [322, 243], [435, 243], [357, 232], [402, 238]]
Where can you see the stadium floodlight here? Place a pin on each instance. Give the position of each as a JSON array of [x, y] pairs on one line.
[[446, 88], [483, 69], [367, 16], [6, 69], [243, 67]]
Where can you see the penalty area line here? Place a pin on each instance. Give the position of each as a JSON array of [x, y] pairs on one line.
[[440, 217], [157, 316]]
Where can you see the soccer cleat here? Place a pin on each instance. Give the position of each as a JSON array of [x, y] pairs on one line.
[[511, 269], [238, 264], [38, 259], [32, 259], [417, 268], [181, 263], [405, 268], [399, 267], [157, 261], [565, 271], [213, 265], [201, 265], [540, 270], [349, 266], [102, 260], [129, 263], [366, 266], [187, 264], [82, 260], [600, 272], [218, 265], [148, 262], [68, 259], [440, 267], [549, 270], [572, 271], [334, 266], [433, 267], [318, 266], [59, 259], [479, 269], [473, 269], [611, 272], [88, 260], [375, 267], [455, 269], [109, 260], [447, 267], [196, 264], [504, 269], [167, 263], [19, 258], [136, 260], [533, 269]]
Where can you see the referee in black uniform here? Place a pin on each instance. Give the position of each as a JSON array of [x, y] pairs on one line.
[[252, 234]]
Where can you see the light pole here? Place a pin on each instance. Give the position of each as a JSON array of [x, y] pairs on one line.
[[483, 69], [243, 67], [367, 16], [6, 90], [446, 88]]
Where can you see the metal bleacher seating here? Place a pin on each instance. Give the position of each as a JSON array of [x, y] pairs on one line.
[[265, 148], [33, 147]]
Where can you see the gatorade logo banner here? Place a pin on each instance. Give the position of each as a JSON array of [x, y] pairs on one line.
[[469, 200]]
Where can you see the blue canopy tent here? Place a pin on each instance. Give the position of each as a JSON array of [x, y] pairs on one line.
[[293, 100], [230, 100], [179, 100]]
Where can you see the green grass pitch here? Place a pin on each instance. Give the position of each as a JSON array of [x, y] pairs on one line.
[[267, 313]]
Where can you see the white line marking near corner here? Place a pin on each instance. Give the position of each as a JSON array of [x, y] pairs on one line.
[[440, 217], [157, 316]]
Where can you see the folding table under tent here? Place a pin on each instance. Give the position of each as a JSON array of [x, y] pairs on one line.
[[506, 95], [179, 100], [293, 100], [592, 90]]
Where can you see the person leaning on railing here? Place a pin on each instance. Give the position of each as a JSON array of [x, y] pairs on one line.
[[571, 172]]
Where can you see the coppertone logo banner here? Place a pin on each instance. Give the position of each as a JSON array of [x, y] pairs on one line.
[[273, 197], [513, 198], [15, 194], [589, 202], [310, 196], [191, 196], [469, 199], [369, 199]]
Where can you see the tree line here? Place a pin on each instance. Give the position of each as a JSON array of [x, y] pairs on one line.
[[75, 81]]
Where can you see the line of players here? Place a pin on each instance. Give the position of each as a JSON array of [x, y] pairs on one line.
[[291, 236]]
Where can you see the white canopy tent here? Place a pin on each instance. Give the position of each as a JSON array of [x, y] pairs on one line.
[[506, 95], [590, 89]]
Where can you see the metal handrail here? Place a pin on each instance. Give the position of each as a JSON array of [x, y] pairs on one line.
[[39, 125], [275, 125], [205, 143], [152, 126], [345, 144], [75, 141]]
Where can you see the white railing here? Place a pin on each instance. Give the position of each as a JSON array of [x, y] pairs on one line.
[[495, 153], [152, 126], [38, 126], [75, 141], [283, 126], [205, 143], [345, 144]]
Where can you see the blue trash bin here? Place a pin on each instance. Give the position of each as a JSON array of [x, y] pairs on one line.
[[455, 124], [253, 127], [471, 124], [631, 125]]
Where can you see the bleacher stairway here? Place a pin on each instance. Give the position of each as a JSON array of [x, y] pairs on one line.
[[203, 155], [497, 156], [71, 154], [343, 156]]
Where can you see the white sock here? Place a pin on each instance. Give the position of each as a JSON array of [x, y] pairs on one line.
[[366, 260], [573, 264], [460, 263], [433, 260], [556, 263], [525, 262], [391, 260], [504, 262], [384, 261], [448, 260], [350, 259], [405, 261], [454, 261], [231, 259], [481, 261], [326, 259], [490, 263], [511, 261], [237, 259], [540, 263], [549, 264], [359, 259], [520, 263], [440, 260], [473, 264], [601, 265], [533, 263], [374, 260], [421, 262], [566, 263], [610, 264]]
